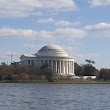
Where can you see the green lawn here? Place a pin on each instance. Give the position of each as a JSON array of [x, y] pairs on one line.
[[72, 81]]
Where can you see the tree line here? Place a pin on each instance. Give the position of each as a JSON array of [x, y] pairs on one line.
[[89, 70], [16, 71]]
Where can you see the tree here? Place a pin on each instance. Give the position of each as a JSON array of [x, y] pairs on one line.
[[85, 70], [47, 72], [89, 70], [104, 74], [78, 69], [44, 66], [32, 70], [90, 61]]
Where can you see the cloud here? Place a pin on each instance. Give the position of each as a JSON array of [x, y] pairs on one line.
[[99, 30], [22, 33], [30, 34], [49, 20], [69, 33], [59, 4], [66, 23], [94, 3], [61, 23], [18, 8], [99, 26], [25, 8]]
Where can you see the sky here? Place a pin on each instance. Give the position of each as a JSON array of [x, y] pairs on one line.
[[80, 27]]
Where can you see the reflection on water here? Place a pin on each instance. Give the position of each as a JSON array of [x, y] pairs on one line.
[[54, 96]]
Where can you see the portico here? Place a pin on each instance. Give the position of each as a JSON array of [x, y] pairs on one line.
[[62, 66]]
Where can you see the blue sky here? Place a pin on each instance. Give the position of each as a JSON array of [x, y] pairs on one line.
[[80, 27]]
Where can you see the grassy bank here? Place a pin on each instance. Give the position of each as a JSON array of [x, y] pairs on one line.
[[57, 82]]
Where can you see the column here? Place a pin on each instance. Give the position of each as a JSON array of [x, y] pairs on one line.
[[56, 66], [64, 67], [59, 66], [52, 65], [67, 67], [72, 67]]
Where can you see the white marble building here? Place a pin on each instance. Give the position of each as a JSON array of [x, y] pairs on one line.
[[59, 61]]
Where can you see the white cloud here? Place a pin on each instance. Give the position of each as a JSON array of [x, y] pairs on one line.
[[58, 4], [99, 30], [69, 33], [24, 8], [17, 8], [99, 26], [58, 33], [49, 20], [66, 23], [61, 23], [22, 33], [99, 2]]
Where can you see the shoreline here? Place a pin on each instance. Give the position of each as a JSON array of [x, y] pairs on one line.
[[58, 82]]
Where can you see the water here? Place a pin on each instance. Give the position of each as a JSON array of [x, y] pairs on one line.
[[54, 96]]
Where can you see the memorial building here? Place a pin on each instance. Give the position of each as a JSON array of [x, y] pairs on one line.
[[58, 60]]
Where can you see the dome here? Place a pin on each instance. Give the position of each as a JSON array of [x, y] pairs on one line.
[[52, 50]]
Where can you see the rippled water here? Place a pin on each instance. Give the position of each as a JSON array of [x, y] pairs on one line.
[[54, 96]]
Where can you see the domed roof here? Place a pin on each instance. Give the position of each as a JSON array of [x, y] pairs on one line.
[[52, 50]]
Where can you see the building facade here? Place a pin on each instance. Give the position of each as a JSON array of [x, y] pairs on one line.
[[58, 60]]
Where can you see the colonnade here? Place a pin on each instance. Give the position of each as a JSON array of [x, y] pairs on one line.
[[60, 66]]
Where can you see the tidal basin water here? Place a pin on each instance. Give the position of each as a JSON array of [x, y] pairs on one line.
[[14, 96]]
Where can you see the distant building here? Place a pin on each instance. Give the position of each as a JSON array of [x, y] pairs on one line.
[[59, 61]]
